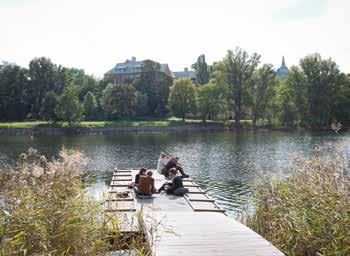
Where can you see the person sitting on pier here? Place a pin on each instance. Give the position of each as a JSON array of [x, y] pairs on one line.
[[142, 172], [146, 185], [174, 187], [174, 163], [161, 162]]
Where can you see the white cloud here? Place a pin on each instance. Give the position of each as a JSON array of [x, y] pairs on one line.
[[94, 35]]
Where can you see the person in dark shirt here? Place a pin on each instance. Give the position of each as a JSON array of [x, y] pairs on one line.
[[174, 187], [174, 163], [142, 172]]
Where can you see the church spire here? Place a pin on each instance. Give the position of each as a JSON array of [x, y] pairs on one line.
[[283, 62]]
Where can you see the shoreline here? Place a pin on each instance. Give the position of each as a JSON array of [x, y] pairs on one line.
[[59, 131]]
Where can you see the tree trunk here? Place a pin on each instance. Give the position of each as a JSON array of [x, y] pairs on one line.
[[254, 121], [238, 116]]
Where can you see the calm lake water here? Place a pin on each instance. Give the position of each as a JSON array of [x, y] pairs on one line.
[[226, 164]]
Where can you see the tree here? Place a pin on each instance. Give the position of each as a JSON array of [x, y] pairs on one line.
[[262, 91], [297, 88], [341, 108], [287, 114], [118, 100], [155, 84], [202, 70], [236, 71], [210, 100], [323, 80], [182, 98], [14, 99], [90, 106], [42, 73], [141, 106], [47, 110], [69, 108], [315, 86]]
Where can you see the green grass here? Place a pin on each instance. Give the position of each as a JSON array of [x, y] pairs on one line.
[[117, 123]]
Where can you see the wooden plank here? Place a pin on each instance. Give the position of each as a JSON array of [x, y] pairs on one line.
[[202, 200], [120, 182], [115, 197], [198, 197], [120, 185], [194, 190], [122, 171], [119, 189], [120, 206], [123, 178], [191, 186]]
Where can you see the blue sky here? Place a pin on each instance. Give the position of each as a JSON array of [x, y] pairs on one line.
[[95, 35]]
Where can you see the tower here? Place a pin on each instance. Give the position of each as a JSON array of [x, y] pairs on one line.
[[283, 70]]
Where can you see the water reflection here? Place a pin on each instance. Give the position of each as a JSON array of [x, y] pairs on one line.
[[225, 164]]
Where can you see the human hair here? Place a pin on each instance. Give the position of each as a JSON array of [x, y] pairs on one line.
[[142, 171], [173, 171], [149, 173]]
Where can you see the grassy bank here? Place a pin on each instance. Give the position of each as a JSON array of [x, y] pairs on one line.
[[121, 123], [309, 212]]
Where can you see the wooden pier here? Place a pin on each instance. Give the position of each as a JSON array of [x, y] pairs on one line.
[[190, 225]]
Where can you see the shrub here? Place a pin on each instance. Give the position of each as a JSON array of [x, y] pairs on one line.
[[309, 211], [45, 209]]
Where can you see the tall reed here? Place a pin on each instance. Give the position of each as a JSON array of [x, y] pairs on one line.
[[308, 212], [45, 209]]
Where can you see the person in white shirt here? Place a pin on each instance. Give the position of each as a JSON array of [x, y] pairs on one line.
[[161, 162]]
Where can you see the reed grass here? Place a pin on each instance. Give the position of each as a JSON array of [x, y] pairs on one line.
[[307, 213], [45, 209]]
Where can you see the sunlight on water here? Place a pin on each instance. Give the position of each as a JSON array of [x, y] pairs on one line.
[[225, 164]]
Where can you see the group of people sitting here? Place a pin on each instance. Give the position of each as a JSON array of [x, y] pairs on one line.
[[144, 185]]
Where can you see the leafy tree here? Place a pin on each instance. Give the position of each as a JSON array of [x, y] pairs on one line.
[[118, 100], [90, 106], [315, 86], [47, 110], [236, 71], [323, 80], [296, 82], [288, 112], [141, 106], [262, 91], [202, 70], [42, 73], [14, 99], [155, 84], [341, 108], [210, 100], [69, 108], [182, 97]]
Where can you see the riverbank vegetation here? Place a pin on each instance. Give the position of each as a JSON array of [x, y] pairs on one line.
[[46, 210], [122, 123], [313, 94], [309, 212]]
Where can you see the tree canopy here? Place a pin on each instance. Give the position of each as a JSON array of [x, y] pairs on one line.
[[182, 98], [118, 100], [202, 70]]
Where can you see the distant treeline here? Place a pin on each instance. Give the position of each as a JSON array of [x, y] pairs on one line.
[[314, 94]]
